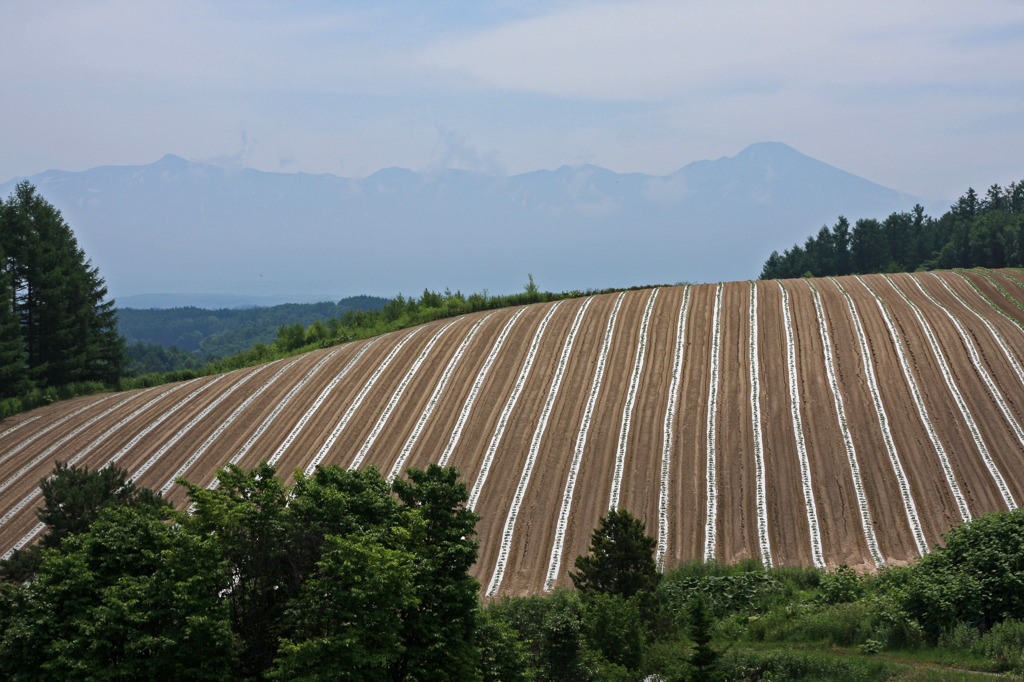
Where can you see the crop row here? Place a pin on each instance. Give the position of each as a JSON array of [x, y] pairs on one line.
[[397, 395], [755, 413], [961, 404], [428, 409], [356, 402], [909, 506], [460, 423], [668, 433], [225, 423], [710, 475], [42, 432], [531, 455], [627, 408], [798, 433], [1000, 341], [555, 560], [517, 389], [844, 427]]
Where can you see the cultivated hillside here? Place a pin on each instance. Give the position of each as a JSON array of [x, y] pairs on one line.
[[824, 421]]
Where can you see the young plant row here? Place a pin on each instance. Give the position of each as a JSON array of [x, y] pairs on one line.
[[883, 423], [1000, 341], [979, 366], [162, 392], [506, 412], [817, 555], [397, 395], [531, 456], [155, 457], [755, 415], [35, 494], [555, 560], [60, 442], [844, 427], [711, 464], [467, 407], [961, 404], [1010, 297], [627, 408], [343, 422], [279, 408], [297, 429], [428, 409], [224, 424], [668, 436], [42, 432]]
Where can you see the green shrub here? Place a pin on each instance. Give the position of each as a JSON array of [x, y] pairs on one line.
[[789, 664]]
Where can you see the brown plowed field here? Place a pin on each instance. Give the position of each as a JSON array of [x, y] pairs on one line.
[[290, 409]]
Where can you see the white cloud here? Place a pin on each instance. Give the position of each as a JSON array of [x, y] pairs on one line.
[[665, 49]]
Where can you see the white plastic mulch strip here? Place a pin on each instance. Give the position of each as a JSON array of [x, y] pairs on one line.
[[224, 425], [965, 411], [669, 432], [42, 432], [627, 408], [979, 366], [798, 433], [297, 429], [555, 561], [397, 395], [188, 427], [19, 425], [538, 435], [343, 422], [460, 423], [428, 409], [499, 430], [1007, 353], [883, 423], [62, 440], [851, 452], [710, 468], [28, 499], [755, 412]]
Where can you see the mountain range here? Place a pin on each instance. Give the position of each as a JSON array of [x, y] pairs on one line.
[[185, 230]]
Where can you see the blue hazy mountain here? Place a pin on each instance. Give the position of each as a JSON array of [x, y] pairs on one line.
[[180, 227]]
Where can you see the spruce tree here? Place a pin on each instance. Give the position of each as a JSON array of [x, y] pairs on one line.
[[68, 329], [13, 362]]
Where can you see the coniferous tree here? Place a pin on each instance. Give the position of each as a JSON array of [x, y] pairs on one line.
[[13, 362], [68, 330]]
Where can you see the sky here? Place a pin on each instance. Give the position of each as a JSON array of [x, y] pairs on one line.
[[922, 96]]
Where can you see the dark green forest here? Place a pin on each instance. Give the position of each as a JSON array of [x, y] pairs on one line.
[[976, 231], [162, 340], [345, 576], [58, 331]]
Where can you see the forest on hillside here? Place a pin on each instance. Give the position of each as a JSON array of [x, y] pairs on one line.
[[975, 232], [165, 339]]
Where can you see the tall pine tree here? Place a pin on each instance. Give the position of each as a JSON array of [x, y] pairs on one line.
[[68, 330]]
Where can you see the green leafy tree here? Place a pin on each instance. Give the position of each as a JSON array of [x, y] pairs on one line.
[[621, 559], [133, 598], [73, 498], [248, 515], [347, 622], [439, 634]]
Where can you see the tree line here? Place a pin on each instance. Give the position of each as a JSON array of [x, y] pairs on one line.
[[975, 232], [57, 328], [345, 576]]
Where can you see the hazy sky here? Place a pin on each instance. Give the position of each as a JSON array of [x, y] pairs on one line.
[[924, 96]]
